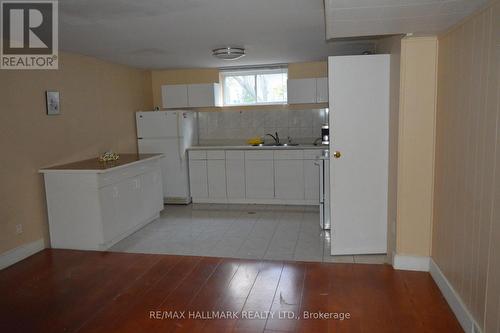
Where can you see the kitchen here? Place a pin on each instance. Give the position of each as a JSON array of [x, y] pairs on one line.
[[231, 162], [297, 156]]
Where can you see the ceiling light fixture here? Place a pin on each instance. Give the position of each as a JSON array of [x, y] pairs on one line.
[[228, 53]]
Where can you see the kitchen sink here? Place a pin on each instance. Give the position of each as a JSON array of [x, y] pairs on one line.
[[276, 145]]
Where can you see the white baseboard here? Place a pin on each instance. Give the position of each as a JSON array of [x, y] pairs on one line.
[[410, 263], [457, 306], [21, 252]]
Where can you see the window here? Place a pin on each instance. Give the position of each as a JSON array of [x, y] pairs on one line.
[[256, 86]]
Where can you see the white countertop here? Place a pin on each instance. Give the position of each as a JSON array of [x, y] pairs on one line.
[[92, 165], [249, 147]]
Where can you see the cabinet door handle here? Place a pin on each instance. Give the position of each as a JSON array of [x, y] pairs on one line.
[[137, 183], [115, 192]]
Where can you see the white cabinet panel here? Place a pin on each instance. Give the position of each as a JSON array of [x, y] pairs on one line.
[[311, 180], [322, 90], [259, 178], [289, 179], [174, 96], [301, 91], [312, 154], [152, 192], [197, 155], [289, 155], [235, 174], [198, 180], [204, 95], [130, 207], [259, 155], [216, 155], [108, 196], [310, 90], [216, 171]]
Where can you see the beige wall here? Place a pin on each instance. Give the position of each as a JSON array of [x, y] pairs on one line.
[[98, 101], [303, 70], [209, 75], [392, 46], [416, 145], [466, 233]]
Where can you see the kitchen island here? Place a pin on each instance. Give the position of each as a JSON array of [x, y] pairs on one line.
[[91, 204], [288, 175]]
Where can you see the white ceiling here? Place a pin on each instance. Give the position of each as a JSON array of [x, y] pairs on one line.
[[348, 18], [182, 33]]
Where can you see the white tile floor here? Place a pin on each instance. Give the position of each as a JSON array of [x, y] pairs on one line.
[[239, 231]]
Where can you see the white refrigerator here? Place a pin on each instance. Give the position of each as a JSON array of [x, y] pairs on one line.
[[169, 133]]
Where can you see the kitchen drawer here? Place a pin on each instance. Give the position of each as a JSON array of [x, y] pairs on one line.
[[235, 154], [259, 155], [113, 177], [312, 154], [216, 155], [289, 155], [197, 155]]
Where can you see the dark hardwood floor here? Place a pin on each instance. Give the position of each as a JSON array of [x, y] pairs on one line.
[[81, 291]]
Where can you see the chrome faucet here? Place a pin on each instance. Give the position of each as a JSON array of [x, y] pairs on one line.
[[275, 137]]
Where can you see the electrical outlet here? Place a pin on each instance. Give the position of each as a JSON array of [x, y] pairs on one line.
[[19, 229]]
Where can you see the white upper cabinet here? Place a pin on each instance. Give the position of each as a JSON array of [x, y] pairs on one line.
[[204, 95], [322, 90], [310, 90], [191, 95], [301, 91], [174, 96]]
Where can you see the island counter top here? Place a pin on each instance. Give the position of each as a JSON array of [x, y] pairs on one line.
[[93, 165]]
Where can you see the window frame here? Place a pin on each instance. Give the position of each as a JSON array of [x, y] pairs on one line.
[[253, 72]]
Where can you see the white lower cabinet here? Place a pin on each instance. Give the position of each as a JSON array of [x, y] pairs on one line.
[[289, 175], [255, 176], [198, 178], [259, 174], [150, 187], [109, 209], [216, 173], [259, 179], [92, 210], [311, 180], [235, 174]]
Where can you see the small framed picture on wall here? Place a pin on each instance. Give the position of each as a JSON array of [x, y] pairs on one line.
[[53, 106]]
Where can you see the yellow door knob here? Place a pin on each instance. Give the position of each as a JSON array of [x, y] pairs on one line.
[[337, 154]]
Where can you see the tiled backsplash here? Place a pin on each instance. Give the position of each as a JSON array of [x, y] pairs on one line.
[[303, 126]]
